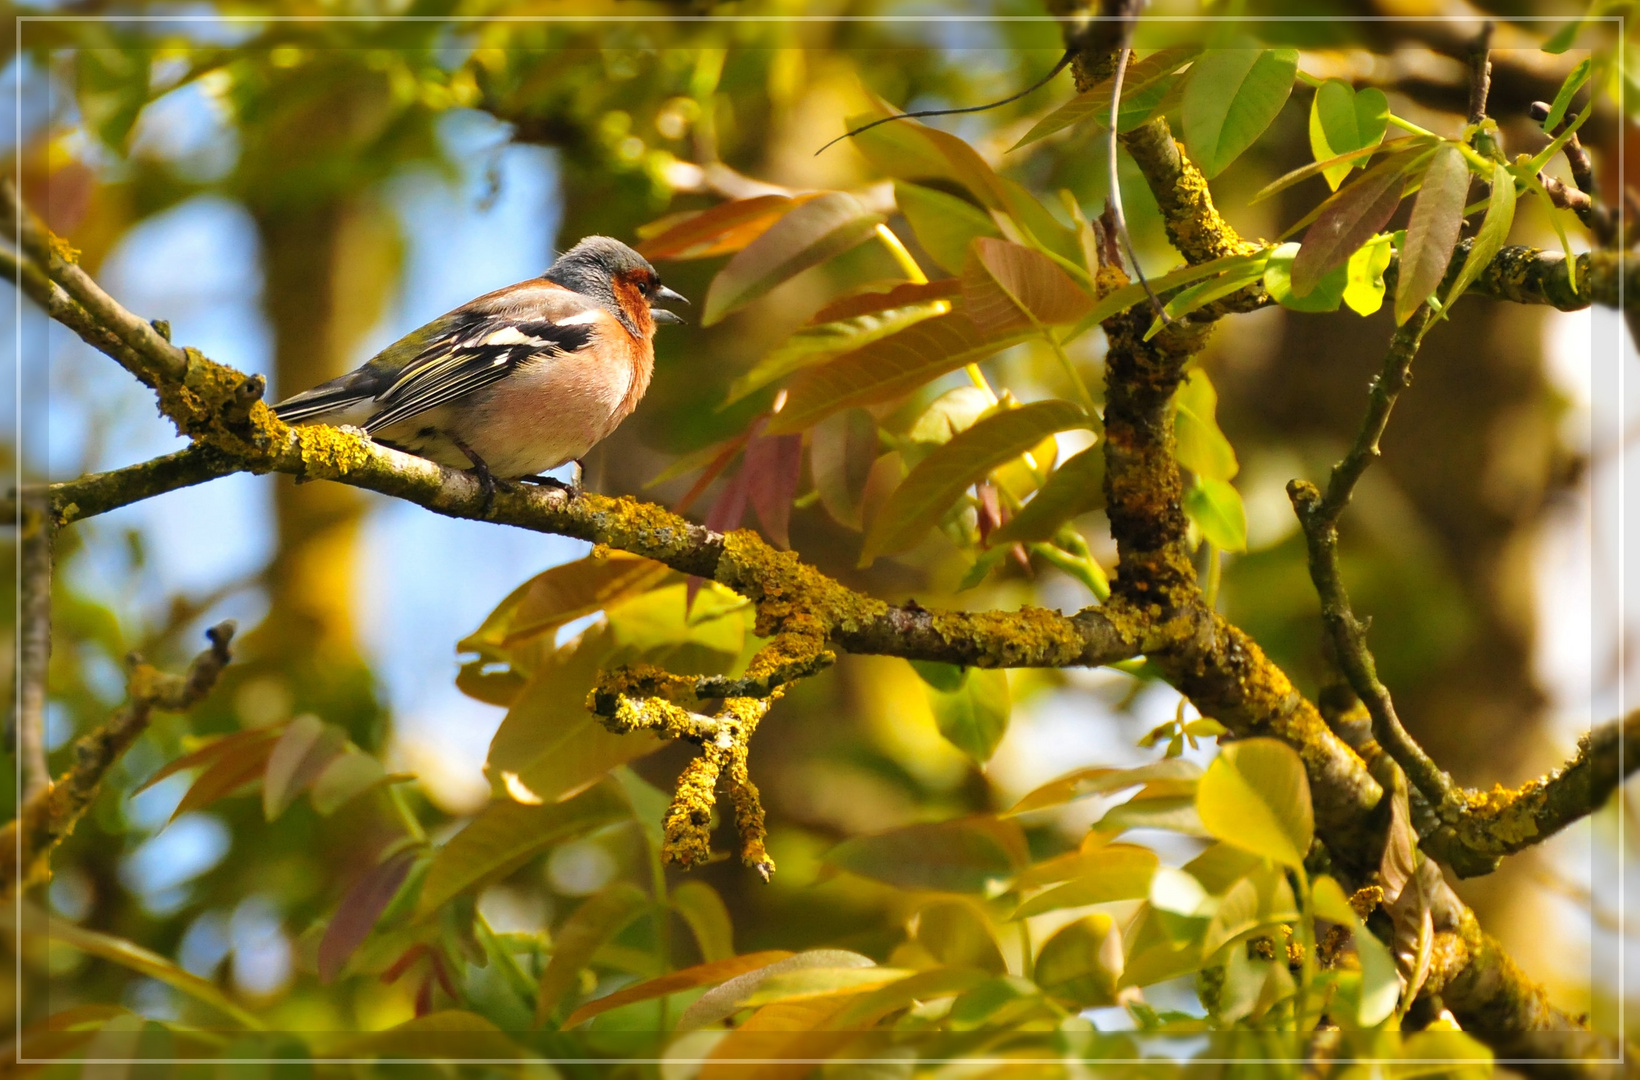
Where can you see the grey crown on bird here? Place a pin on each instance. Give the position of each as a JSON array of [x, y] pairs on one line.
[[517, 382]]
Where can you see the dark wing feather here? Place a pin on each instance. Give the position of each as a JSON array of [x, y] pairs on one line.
[[483, 344]]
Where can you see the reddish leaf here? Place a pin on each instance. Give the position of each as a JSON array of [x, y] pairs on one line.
[[773, 466], [1432, 232], [712, 471], [1006, 285], [720, 230], [209, 752], [869, 302], [816, 231], [1352, 216], [700, 975], [888, 368], [230, 772], [358, 912]]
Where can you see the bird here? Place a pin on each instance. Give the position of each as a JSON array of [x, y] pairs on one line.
[[517, 382]]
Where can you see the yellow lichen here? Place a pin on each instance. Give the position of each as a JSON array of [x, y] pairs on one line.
[[687, 830]]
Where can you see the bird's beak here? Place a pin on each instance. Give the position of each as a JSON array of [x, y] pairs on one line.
[[661, 315]]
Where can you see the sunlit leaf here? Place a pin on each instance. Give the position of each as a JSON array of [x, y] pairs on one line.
[[1075, 488], [1343, 120], [562, 594], [1006, 286], [787, 1031], [505, 835], [996, 1004], [703, 909], [888, 368], [724, 1001], [1494, 230], [1261, 899], [1216, 508], [806, 236], [1575, 81], [1113, 872], [940, 478], [1256, 796], [964, 855], [599, 918], [1432, 231], [549, 746], [1093, 104], [924, 986], [361, 908], [974, 716], [1104, 780], [1328, 292], [943, 224], [1174, 813], [1081, 964], [1230, 97], [1200, 446], [815, 344], [707, 974], [1364, 275], [1328, 899], [1190, 300], [815, 982], [1354, 214], [957, 934], [725, 228]]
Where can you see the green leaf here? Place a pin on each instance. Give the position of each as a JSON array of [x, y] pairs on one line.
[[946, 678], [974, 717], [1326, 295], [943, 224], [1174, 813], [888, 368], [811, 345], [1354, 214], [997, 1004], [1380, 981], [1364, 291], [599, 918], [1073, 489], [708, 918], [1568, 90], [1328, 899], [1255, 796], [957, 934], [964, 855], [134, 957], [806, 236], [1262, 898], [940, 479], [922, 987], [689, 978], [1200, 295], [1216, 508], [111, 88], [724, 1000], [1006, 286], [1199, 444], [1112, 872], [1500, 216], [1343, 120], [816, 982], [348, 776], [1230, 97], [1432, 231], [505, 835], [1317, 168], [1081, 964], [725, 228], [1093, 104]]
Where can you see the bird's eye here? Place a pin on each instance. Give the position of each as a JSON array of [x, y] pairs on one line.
[[644, 287]]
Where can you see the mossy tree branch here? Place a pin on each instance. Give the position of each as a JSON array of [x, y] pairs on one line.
[[47, 818]]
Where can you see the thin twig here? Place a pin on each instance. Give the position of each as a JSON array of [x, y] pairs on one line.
[[1319, 516], [34, 648], [1115, 204]]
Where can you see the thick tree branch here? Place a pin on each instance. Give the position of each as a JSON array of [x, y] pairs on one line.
[[50, 816]]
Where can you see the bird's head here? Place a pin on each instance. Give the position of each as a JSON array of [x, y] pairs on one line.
[[619, 278]]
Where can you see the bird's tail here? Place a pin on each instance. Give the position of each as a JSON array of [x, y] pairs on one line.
[[330, 403]]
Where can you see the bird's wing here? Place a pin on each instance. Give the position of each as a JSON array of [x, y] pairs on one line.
[[483, 343]]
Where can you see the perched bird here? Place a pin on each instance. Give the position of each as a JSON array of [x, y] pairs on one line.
[[517, 382]]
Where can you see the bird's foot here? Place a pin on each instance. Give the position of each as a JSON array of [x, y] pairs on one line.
[[572, 490], [486, 479]]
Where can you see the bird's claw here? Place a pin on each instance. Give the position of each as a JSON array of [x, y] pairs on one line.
[[572, 490]]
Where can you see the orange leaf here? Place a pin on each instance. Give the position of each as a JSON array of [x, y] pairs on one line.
[[687, 979]]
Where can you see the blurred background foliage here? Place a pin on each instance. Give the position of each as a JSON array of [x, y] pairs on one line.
[[291, 196]]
